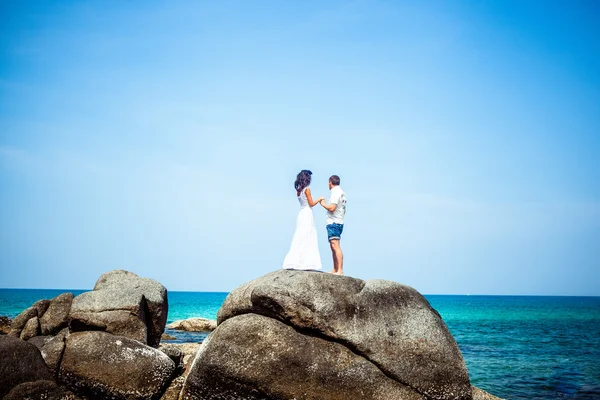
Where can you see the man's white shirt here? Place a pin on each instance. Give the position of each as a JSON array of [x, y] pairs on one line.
[[338, 197]]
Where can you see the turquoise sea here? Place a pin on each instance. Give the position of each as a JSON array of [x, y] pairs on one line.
[[515, 347]]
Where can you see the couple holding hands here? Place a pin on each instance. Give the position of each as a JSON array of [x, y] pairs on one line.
[[304, 251]]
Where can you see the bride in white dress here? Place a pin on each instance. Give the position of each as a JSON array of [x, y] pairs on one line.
[[304, 251]]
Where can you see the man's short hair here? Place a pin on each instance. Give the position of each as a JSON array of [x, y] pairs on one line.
[[335, 180]]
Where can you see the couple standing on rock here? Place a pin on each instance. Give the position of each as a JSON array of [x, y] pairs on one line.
[[304, 251]]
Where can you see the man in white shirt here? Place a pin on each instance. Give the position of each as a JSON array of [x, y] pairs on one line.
[[336, 210]]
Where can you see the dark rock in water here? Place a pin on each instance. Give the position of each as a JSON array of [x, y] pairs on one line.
[[47, 390], [389, 325], [102, 365], [52, 351], [40, 341], [166, 336], [31, 329], [124, 304], [56, 316], [21, 362], [256, 357], [5, 324]]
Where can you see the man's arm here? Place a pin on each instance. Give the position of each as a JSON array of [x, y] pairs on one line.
[[331, 207]]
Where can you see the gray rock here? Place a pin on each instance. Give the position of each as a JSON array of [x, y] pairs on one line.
[[155, 295], [123, 304], [40, 341], [56, 316], [194, 325], [256, 357], [31, 329], [174, 353], [41, 306], [21, 362], [389, 324], [52, 351], [101, 365], [19, 322]]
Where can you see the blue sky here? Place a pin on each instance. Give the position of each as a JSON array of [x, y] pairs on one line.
[[164, 138]]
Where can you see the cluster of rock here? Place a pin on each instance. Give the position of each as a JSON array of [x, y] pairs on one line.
[[100, 344], [287, 335]]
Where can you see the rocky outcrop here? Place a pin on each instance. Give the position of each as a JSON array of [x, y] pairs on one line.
[[44, 317], [124, 304], [103, 365], [382, 327], [21, 363], [194, 325]]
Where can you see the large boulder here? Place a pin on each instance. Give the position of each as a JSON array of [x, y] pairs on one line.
[[194, 325], [56, 316], [389, 326], [20, 362], [124, 304], [257, 358], [101, 365]]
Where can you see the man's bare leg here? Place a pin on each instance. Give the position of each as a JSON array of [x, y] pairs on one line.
[[338, 257]]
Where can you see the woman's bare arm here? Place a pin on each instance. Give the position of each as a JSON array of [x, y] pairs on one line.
[[310, 199]]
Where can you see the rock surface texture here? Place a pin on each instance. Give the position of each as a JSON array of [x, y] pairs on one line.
[[311, 335], [20, 362], [124, 304], [103, 365]]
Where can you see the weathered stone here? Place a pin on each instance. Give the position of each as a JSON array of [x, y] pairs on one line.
[[194, 325], [155, 296], [391, 325], [40, 341], [166, 336], [52, 351], [31, 329], [21, 362], [41, 306], [19, 322], [56, 316], [256, 357], [101, 365], [174, 354], [123, 304], [5, 324]]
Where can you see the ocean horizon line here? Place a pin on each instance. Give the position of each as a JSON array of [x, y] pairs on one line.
[[424, 294]]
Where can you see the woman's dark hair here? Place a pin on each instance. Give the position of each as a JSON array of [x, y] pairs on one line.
[[302, 180]]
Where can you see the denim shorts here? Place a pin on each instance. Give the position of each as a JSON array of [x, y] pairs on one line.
[[334, 231]]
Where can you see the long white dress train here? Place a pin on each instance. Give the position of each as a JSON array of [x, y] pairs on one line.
[[304, 251]]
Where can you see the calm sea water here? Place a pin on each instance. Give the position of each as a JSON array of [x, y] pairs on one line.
[[515, 347]]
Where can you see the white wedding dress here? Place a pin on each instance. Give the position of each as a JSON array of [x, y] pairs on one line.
[[304, 251]]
